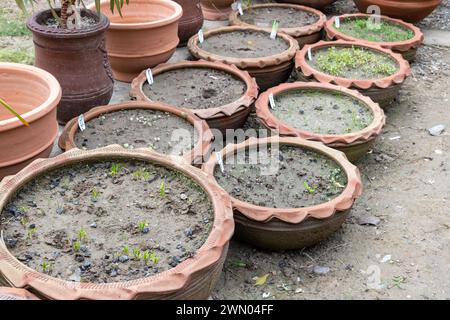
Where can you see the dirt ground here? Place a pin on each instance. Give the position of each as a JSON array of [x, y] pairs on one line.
[[407, 190]]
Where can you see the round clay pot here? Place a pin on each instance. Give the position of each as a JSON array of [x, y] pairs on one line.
[[191, 21], [291, 228], [16, 294], [230, 116], [318, 4], [268, 71], [194, 278], [195, 156], [406, 48], [407, 10], [355, 145], [78, 59], [383, 91], [34, 94], [304, 34], [216, 9], [144, 37]]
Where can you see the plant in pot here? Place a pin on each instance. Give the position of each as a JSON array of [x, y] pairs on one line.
[[70, 44]]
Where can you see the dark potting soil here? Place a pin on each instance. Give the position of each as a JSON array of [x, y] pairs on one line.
[[163, 132], [293, 178], [321, 111], [105, 222], [195, 88], [244, 44], [287, 17], [84, 23]]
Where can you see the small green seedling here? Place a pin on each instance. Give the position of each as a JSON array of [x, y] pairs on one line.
[[46, 267], [308, 187], [162, 189], [24, 221], [31, 233], [126, 250], [82, 234], [76, 246], [142, 174], [137, 254], [142, 225], [115, 168], [23, 209], [95, 193]]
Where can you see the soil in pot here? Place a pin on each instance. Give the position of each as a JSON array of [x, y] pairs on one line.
[[353, 63], [384, 31], [304, 178], [244, 44], [195, 88], [287, 17], [322, 112], [84, 22], [104, 222], [137, 128]]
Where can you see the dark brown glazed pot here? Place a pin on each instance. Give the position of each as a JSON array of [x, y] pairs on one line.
[[318, 4], [191, 21], [78, 59]]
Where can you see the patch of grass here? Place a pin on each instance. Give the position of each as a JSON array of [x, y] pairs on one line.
[[11, 26], [362, 28], [17, 56]]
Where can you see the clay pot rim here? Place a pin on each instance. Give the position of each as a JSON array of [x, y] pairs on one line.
[[401, 46], [176, 15], [295, 215], [404, 69], [48, 105], [20, 275], [17, 294], [101, 25], [293, 31], [243, 63], [245, 101], [67, 138], [270, 121]]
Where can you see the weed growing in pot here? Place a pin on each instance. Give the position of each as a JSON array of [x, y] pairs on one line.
[[142, 225], [115, 168], [126, 250], [24, 221], [31, 233], [149, 257], [308, 187], [142, 174], [137, 254], [95, 193], [76, 245], [46, 267], [162, 189], [82, 234], [383, 31]]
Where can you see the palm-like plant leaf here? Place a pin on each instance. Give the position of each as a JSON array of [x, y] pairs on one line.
[[10, 109]]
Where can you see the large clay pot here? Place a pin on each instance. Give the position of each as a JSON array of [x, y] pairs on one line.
[[144, 37], [34, 94], [77, 58], [191, 21], [318, 4], [407, 10], [216, 9]]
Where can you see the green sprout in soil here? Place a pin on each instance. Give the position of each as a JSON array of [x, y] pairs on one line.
[[137, 254], [363, 28], [162, 189], [334, 177], [24, 221], [308, 187], [23, 209], [82, 234], [95, 193], [142, 174], [357, 122], [149, 257], [46, 267], [76, 246], [31, 233], [142, 225], [115, 168], [126, 250]]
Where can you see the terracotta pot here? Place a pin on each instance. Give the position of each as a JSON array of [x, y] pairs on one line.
[[34, 94], [195, 156], [78, 59], [194, 278], [191, 21], [406, 48], [383, 91], [216, 9], [407, 10], [146, 36], [318, 4], [354, 145], [291, 228], [268, 71], [16, 294], [230, 116], [305, 34]]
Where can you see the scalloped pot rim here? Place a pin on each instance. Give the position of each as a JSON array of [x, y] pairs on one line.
[[273, 123], [169, 281], [296, 215], [404, 69], [55, 92], [176, 14], [292, 31], [402, 46]]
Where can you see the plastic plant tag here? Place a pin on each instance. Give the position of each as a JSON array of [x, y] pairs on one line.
[[337, 22], [239, 7], [81, 123], [149, 75], [201, 38], [271, 101], [309, 54], [220, 161], [273, 34]]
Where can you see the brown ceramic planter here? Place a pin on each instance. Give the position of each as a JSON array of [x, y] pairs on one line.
[[318, 4], [195, 156], [34, 93], [291, 228], [406, 48], [230, 116], [16, 294], [268, 71], [407, 10], [78, 59], [304, 35], [216, 9], [146, 36], [193, 278], [355, 145], [191, 21], [383, 91]]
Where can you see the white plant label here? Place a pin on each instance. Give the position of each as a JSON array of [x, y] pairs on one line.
[[220, 161], [239, 7], [201, 37], [149, 75], [309, 54], [271, 101], [81, 123], [273, 34], [337, 22]]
